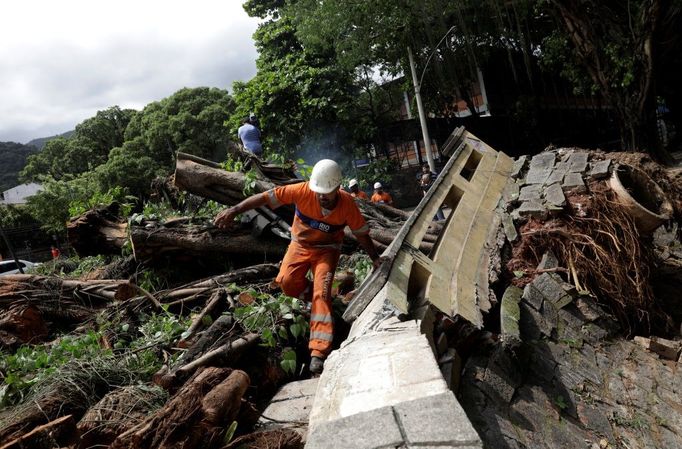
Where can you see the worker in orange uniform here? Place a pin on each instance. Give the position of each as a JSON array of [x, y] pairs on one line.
[[381, 196], [322, 212], [355, 191]]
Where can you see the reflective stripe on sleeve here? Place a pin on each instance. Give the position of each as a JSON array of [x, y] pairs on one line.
[[317, 335], [274, 202], [321, 318], [362, 230]]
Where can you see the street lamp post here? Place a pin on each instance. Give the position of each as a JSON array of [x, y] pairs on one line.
[[422, 115], [418, 97]]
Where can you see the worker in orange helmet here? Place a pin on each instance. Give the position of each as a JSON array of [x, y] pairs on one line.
[[380, 195], [355, 191], [322, 212]]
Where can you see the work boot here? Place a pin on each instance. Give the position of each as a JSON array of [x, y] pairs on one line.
[[316, 365]]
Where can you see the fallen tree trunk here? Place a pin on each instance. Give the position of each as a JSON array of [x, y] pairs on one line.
[[195, 417], [58, 433], [202, 289], [96, 233], [227, 188], [118, 411], [222, 355], [29, 303]]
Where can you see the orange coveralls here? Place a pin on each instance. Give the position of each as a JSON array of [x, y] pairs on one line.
[[383, 197], [316, 245], [361, 194]]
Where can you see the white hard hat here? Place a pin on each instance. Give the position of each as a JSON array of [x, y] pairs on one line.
[[377, 185], [326, 176], [353, 182]]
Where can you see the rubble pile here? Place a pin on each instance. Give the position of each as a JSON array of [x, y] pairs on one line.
[[566, 370]]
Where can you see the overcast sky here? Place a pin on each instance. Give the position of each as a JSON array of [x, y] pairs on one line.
[[62, 61]]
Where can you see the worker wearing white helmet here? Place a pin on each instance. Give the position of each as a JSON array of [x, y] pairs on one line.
[[322, 212], [381, 196], [355, 191]]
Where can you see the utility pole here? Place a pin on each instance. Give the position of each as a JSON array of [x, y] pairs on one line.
[[11, 250], [422, 115]]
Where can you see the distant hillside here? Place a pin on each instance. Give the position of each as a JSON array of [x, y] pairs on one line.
[[40, 142], [12, 159]]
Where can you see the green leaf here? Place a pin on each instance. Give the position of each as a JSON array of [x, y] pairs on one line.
[[229, 433], [125, 327], [206, 320], [282, 332], [296, 330], [288, 362], [519, 273]]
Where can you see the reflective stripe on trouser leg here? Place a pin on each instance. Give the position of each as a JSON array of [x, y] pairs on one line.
[[323, 264]]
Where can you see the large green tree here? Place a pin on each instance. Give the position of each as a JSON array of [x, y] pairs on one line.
[[617, 50], [622, 46], [300, 94], [86, 149]]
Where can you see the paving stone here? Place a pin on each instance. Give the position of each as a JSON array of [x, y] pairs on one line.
[[436, 420], [369, 430], [531, 324], [531, 192], [551, 287], [296, 389], [600, 169], [543, 160], [518, 166], [594, 418], [533, 209], [537, 175], [577, 162], [555, 195], [509, 228], [292, 412], [574, 181], [558, 173], [291, 405], [511, 193]]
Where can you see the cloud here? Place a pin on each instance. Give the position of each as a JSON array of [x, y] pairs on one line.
[[61, 62]]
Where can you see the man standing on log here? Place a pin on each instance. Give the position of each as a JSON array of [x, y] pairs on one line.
[[322, 212]]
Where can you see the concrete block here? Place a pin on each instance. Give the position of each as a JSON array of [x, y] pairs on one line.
[[436, 420], [574, 181], [555, 195], [577, 162], [531, 192], [600, 169], [374, 371], [369, 430], [533, 209]]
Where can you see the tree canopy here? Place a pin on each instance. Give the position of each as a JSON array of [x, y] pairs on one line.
[[611, 49], [118, 152]]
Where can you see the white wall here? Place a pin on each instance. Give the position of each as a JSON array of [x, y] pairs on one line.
[[19, 194]]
